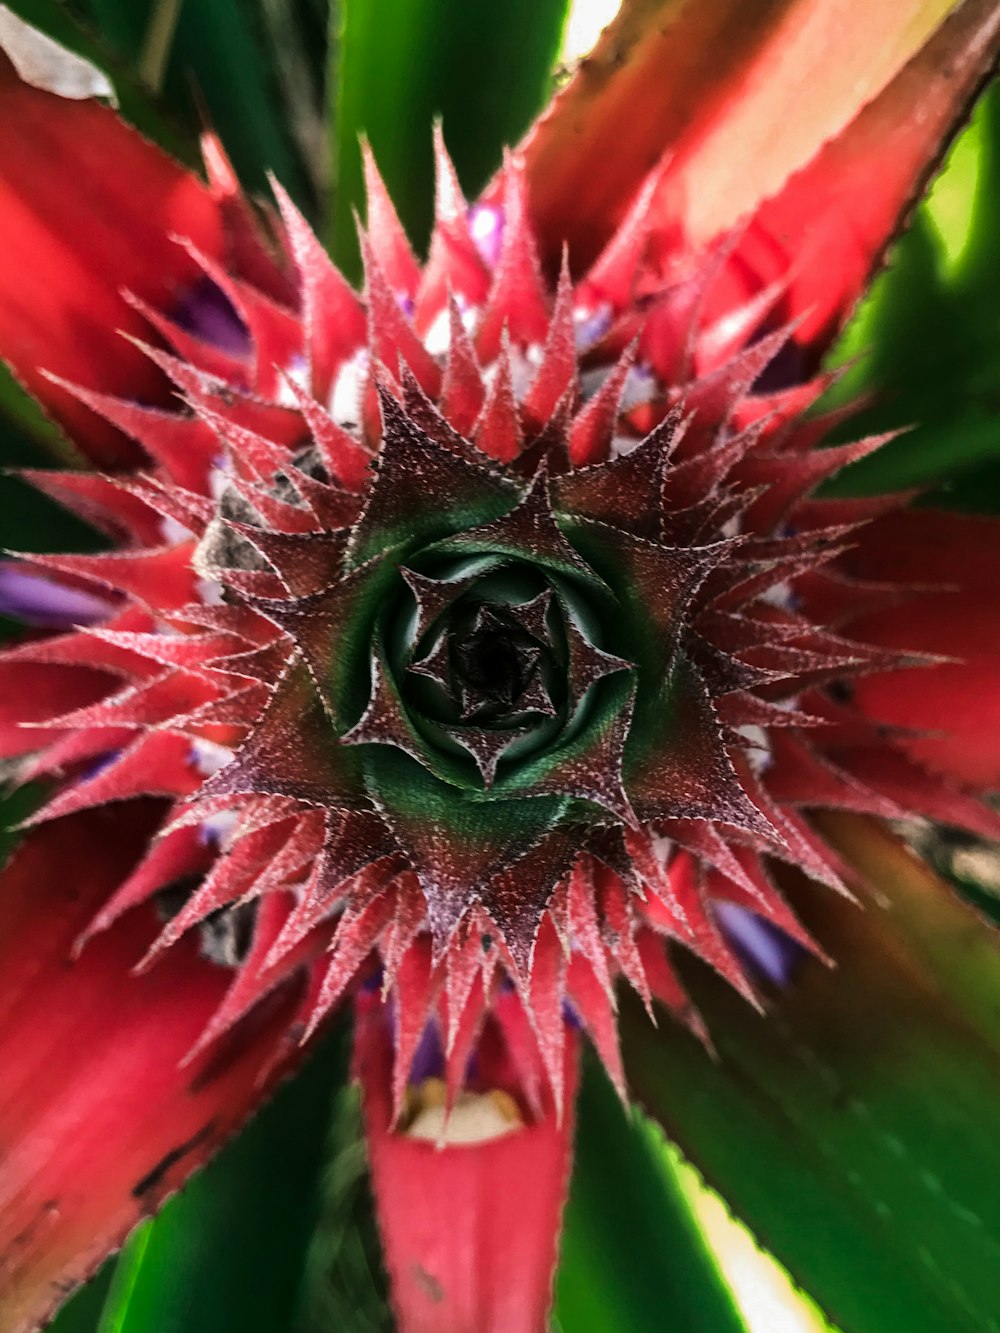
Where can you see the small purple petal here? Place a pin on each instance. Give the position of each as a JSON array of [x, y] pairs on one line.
[[787, 368], [36, 600], [98, 764], [486, 230], [760, 944], [591, 326], [207, 313], [428, 1059]]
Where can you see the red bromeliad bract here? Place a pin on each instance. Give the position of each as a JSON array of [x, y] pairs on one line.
[[464, 645]]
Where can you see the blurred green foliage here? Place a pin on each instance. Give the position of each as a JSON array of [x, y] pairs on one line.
[[633, 1257]]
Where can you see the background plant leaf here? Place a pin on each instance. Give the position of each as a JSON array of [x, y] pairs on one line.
[[485, 68], [345, 1285], [633, 1258], [82, 1312], [215, 60], [851, 1127]]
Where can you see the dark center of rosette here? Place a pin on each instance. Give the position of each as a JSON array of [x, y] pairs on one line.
[[492, 663]]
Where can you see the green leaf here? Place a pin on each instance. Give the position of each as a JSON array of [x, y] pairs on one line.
[[120, 22], [345, 1286], [222, 52], [82, 1313], [27, 418], [229, 1252], [763, 1290], [485, 68], [852, 1126], [633, 1257], [30, 521], [16, 804]]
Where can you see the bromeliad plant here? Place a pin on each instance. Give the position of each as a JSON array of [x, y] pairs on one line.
[[466, 643]]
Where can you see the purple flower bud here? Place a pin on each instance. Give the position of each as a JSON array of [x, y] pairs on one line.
[[760, 944], [428, 1059], [37, 600], [207, 313]]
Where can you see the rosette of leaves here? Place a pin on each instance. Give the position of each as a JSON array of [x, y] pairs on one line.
[[496, 672]]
